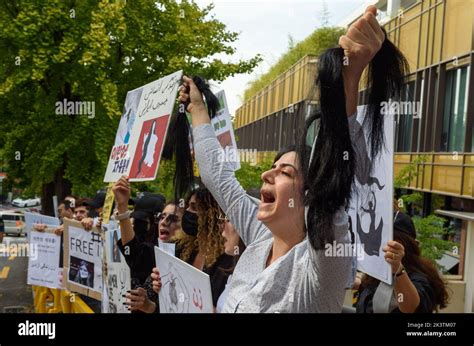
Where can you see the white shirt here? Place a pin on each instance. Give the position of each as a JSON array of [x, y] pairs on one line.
[[303, 280]]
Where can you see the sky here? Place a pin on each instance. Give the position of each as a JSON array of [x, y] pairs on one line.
[[264, 27]]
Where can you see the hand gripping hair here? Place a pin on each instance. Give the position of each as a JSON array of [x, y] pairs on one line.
[[329, 166], [177, 141]]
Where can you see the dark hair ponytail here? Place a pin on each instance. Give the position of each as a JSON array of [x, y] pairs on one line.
[[329, 168], [385, 81], [177, 143], [331, 173]]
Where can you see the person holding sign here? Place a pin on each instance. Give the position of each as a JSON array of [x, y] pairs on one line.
[[280, 270], [418, 286]]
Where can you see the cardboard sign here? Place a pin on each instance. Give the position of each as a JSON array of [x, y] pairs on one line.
[[82, 259], [371, 209], [108, 203], [142, 130], [185, 289]]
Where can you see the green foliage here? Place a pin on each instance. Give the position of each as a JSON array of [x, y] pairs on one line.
[[409, 172], [415, 199], [430, 229], [92, 51], [314, 44], [430, 232], [163, 183], [249, 176]]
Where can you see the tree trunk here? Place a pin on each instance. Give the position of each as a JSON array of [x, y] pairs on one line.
[[60, 187]]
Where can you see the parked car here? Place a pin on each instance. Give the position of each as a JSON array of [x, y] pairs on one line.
[[26, 202], [14, 223]]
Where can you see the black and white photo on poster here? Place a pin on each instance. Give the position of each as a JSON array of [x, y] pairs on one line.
[[371, 208]]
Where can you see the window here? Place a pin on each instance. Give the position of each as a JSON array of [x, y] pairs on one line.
[[420, 112], [405, 119], [455, 110]]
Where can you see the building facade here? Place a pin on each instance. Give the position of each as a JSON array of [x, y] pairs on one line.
[[435, 137]]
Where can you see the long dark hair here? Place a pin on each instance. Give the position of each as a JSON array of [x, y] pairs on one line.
[[329, 167], [415, 263], [177, 144]]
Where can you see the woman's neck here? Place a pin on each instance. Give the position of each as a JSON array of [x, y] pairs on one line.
[[281, 246]]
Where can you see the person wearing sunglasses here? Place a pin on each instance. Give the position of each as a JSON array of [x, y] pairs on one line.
[[201, 243], [140, 255], [168, 223]]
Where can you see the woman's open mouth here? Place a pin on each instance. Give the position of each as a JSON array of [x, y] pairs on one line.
[[266, 196], [164, 233]]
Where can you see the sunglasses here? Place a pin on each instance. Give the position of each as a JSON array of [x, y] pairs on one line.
[[169, 218]]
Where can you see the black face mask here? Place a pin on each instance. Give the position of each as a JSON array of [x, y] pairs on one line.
[[189, 223]]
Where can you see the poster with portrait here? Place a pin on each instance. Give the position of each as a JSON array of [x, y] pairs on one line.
[[371, 208], [119, 159], [82, 270], [150, 143], [142, 130], [185, 289], [117, 280]]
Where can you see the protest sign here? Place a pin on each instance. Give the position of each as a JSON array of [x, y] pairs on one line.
[[371, 208], [185, 289], [167, 247], [82, 259], [47, 246], [117, 280], [142, 130], [34, 218], [108, 204], [222, 125], [43, 260]]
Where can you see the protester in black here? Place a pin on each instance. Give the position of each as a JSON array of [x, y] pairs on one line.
[[417, 286]]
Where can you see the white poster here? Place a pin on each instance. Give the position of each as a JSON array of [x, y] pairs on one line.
[[222, 124], [82, 259], [371, 209], [184, 289], [167, 247], [117, 280], [35, 218], [142, 130], [43, 261], [119, 160]]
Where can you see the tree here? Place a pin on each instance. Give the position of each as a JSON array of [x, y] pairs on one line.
[[249, 176], [324, 15], [320, 40], [430, 232], [91, 51]]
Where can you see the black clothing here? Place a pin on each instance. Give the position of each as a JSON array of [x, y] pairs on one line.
[[422, 285], [140, 257]]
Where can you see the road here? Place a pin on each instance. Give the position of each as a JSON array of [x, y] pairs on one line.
[[15, 294]]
